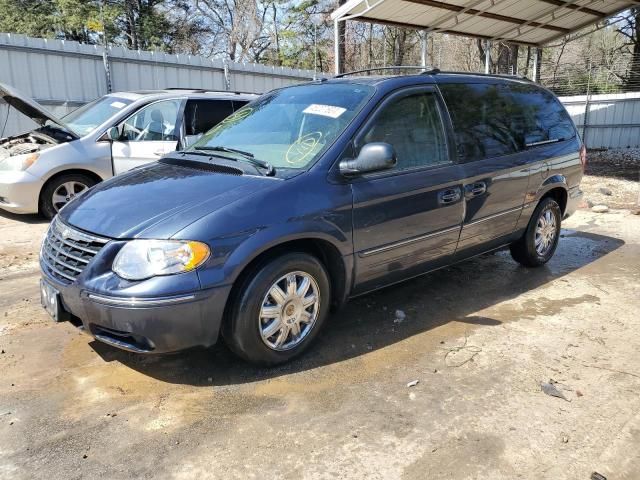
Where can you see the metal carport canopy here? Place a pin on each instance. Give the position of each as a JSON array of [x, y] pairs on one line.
[[526, 22]]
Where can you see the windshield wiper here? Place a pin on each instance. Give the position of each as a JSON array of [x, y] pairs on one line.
[[248, 156]]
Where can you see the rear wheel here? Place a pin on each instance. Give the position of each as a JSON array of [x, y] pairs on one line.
[[540, 240], [61, 190], [278, 309]]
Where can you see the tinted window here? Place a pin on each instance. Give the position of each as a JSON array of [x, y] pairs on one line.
[[290, 127], [413, 127], [493, 120], [483, 118], [202, 115], [540, 115], [238, 104]]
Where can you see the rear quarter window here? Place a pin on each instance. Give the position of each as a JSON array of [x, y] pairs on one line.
[[541, 115], [491, 120]]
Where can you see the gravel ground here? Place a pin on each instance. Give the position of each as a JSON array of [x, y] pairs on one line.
[[479, 337], [613, 179]]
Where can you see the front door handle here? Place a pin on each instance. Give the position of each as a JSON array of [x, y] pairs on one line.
[[159, 153], [475, 189], [449, 196]]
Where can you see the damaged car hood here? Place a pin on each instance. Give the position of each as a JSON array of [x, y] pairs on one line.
[[31, 108]]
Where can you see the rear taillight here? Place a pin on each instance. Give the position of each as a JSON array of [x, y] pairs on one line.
[[583, 157]]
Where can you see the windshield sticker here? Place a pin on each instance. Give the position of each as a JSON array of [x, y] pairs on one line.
[[299, 150], [325, 110], [118, 105]]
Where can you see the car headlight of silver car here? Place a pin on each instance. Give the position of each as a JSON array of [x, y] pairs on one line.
[[141, 259], [18, 162]]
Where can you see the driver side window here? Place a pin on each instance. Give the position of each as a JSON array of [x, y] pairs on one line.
[[155, 122], [413, 127]]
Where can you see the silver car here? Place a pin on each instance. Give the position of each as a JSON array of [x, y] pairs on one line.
[[42, 170]]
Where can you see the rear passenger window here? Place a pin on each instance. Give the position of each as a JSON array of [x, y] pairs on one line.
[[483, 117], [490, 120], [202, 115], [412, 125], [238, 104]]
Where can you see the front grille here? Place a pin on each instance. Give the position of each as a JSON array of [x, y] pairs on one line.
[[66, 251]]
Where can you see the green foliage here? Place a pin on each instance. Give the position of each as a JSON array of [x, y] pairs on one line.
[[139, 24]]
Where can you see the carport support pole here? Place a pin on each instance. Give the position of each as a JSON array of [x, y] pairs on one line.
[[336, 45], [537, 53], [487, 57], [423, 51]]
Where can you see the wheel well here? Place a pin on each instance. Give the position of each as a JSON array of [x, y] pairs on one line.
[[323, 250], [74, 171], [559, 194]]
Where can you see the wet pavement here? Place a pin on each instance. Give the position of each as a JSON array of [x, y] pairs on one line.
[[479, 337]]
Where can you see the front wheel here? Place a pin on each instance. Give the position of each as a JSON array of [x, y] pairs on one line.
[[278, 309], [540, 240], [61, 190]]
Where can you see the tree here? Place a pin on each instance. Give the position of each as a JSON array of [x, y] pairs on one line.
[[239, 27], [168, 25], [629, 27]]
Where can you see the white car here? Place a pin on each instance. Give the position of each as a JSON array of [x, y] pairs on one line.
[[42, 170]]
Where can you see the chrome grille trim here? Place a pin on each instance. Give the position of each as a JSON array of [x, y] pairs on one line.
[[55, 260], [78, 259], [54, 269], [66, 251], [88, 250]]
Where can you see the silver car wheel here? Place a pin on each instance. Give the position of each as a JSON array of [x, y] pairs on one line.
[[545, 232], [289, 311], [67, 192]]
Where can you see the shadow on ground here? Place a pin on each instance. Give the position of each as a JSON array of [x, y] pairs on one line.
[[31, 219], [365, 324]]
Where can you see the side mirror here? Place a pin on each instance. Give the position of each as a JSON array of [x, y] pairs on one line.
[[372, 158], [113, 134]]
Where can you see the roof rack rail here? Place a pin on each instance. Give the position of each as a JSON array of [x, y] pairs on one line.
[[504, 75], [422, 68], [433, 71], [205, 90]]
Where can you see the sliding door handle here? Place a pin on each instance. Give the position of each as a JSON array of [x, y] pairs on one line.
[[449, 196], [475, 189]]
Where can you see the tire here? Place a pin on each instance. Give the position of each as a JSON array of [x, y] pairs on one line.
[[544, 226], [76, 182], [247, 331]]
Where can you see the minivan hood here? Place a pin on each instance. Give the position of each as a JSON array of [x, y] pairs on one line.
[[30, 108], [157, 201]]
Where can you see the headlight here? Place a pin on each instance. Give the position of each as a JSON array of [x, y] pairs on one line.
[[19, 162], [140, 259]]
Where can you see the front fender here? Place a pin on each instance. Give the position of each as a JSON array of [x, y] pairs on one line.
[[75, 155], [234, 254]]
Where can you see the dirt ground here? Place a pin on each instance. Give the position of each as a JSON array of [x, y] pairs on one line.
[[479, 337]]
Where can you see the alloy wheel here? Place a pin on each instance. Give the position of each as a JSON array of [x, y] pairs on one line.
[[289, 311], [545, 232], [67, 192]]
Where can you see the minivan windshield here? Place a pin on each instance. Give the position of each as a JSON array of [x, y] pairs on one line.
[[84, 119], [288, 128]]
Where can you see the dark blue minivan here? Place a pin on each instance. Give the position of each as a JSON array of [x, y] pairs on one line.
[[308, 196]]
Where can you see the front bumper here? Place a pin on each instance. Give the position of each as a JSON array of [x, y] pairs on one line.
[[146, 325], [19, 192]]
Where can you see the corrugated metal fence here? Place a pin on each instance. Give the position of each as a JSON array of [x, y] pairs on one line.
[[607, 121], [63, 75]]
